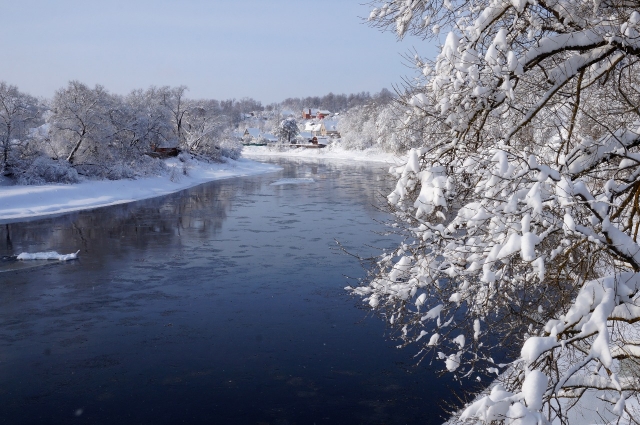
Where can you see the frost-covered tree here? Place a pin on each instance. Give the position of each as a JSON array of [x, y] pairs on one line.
[[79, 119], [148, 122], [106, 136], [202, 126], [18, 112], [287, 130], [173, 99], [374, 126], [521, 207]]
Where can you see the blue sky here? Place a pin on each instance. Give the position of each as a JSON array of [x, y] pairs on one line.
[[265, 49]]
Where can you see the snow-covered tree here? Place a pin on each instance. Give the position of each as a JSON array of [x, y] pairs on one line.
[[148, 121], [173, 99], [18, 112], [103, 135], [287, 130], [521, 207], [357, 127], [374, 126], [79, 119], [202, 125]]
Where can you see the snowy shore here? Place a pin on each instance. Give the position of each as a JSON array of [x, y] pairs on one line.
[[23, 202]]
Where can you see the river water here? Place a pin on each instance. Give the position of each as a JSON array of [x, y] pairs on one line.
[[221, 304]]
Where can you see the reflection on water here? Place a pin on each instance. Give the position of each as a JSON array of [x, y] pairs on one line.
[[219, 304]]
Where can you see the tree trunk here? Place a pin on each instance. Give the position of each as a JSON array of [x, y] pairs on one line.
[[75, 149]]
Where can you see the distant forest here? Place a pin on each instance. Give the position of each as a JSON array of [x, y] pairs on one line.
[[335, 102]]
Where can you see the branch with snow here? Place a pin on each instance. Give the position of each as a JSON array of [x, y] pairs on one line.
[[521, 208]]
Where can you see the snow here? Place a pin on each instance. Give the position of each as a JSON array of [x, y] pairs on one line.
[[452, 362], [48, 255], [433, 313], [22, 202], [460, 340], [534, 346], [434, 339], [534, 386], [476, 329]]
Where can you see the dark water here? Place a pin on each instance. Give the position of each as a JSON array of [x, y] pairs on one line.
[[222, 304]]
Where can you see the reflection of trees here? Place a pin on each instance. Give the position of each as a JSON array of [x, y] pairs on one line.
[[197, 212]]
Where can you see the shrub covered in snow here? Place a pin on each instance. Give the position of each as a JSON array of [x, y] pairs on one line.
[[230, 147], [46, 170]]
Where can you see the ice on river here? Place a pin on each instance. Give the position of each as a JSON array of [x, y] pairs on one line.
[[48, 255], [292, 181]]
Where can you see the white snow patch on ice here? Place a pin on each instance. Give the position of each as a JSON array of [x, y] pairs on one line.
[[48, 255]]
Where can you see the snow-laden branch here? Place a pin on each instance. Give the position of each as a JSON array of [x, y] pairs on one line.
[[522, 209]]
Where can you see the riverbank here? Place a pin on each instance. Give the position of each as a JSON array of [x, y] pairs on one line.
[[26, 202]]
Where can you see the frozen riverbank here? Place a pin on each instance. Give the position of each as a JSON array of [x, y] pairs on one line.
[[22, 202]]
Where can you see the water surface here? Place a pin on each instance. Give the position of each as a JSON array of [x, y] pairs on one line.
[[223, 303]]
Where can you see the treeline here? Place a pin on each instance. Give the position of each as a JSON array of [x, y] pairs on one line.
[[335, 102], [90, 132], [85, 132]]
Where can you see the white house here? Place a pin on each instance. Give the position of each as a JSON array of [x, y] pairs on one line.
[[313, 128], [329, 128], [253, 133]]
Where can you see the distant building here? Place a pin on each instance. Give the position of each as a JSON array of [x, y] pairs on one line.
[[313, 128], [329, 128], [309, 113], [253, 133], [165, 149]]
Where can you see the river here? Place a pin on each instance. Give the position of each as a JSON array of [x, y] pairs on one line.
[[220, 304]]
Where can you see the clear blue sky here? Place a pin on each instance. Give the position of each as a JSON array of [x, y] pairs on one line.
[[221, 49]]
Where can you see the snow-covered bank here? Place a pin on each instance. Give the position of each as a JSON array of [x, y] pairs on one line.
[[330, 152], [21, 202]]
